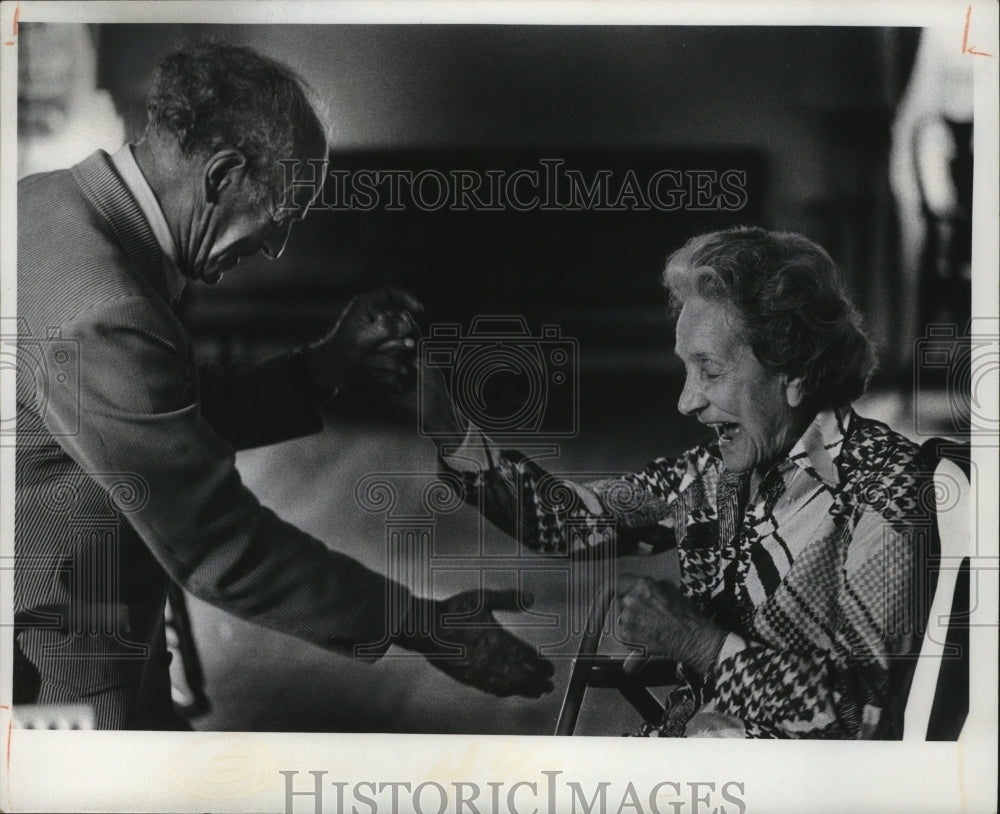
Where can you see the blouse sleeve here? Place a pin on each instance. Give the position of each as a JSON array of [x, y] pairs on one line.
[[549, 513]]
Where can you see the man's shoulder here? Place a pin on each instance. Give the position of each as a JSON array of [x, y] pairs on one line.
[[69, 256], [45, 195], [41, 181], [55, 214]]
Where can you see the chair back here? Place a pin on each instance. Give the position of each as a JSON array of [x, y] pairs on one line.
[[938, 701]]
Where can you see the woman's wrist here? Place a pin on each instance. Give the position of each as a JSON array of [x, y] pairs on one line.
[[711, 640], [442, 423]]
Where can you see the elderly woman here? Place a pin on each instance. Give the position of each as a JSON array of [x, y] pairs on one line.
[[795, 613]]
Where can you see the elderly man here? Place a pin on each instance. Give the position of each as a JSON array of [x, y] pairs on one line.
[[796, 614], [126, 475]]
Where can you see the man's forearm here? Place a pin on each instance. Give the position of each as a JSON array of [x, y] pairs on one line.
[[258, 404]]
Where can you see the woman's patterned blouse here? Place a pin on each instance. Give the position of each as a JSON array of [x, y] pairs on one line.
[[822, 571]]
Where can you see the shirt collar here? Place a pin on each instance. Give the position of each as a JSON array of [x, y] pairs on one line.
[[136, 183], [820, 445]]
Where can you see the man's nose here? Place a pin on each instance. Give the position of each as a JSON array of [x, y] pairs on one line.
[[692, 400], [274, 244]]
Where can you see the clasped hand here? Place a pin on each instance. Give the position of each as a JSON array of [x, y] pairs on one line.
[[656, 616], [374, 339]]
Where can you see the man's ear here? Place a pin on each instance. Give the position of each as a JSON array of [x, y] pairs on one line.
[[795, 391], [223, 169]]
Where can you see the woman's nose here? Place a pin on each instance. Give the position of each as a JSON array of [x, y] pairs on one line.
[[691, 399]]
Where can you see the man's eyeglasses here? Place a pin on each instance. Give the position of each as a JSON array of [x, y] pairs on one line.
[[282, 219]]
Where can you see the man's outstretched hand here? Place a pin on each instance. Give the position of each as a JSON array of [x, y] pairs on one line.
[[461, 637]]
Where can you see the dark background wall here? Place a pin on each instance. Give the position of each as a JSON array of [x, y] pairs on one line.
[[805, 111]]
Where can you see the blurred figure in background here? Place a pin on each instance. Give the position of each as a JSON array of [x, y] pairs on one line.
[[61, 113], [930, 171]]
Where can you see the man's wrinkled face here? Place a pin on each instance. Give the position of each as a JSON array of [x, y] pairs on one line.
[[246, 226], [755, 412]]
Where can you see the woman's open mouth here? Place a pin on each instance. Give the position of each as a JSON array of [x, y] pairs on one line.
[[726, 431]]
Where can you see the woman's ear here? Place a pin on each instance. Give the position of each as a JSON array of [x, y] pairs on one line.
[[795, 391], [222, 169]]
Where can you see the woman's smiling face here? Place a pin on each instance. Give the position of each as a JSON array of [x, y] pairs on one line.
[[757, 413]]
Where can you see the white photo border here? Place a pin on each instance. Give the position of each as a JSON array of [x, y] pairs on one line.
[[240, 772]]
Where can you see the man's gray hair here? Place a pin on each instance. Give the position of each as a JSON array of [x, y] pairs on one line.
[[211, 95]]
